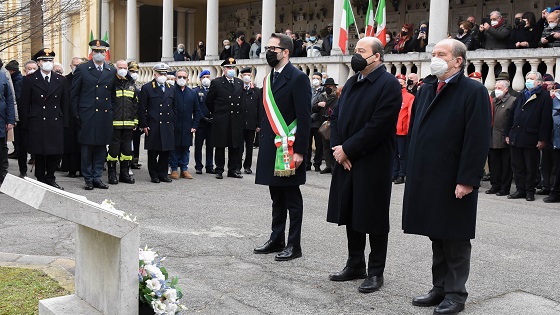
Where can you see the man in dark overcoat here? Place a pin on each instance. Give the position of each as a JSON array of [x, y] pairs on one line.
[[93, 100], [251, 102], [71, 159], [224, 102], [156, 116], [528, 130], [363, 138], [449, 139], [203, 134], [280, 167], [44, 107]]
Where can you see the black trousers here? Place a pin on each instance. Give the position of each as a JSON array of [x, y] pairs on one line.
[[450, 268], [136, 142], [556, 186], [318, 158], [121, 146], [499, 163], [22, 148], [377, 255], [45, 166], [203, 134], [233, 159], [286, 199], [546, 168], [247, 147], [399, 159], [328, 153], [525, 164], [3, 159], [157, 163]]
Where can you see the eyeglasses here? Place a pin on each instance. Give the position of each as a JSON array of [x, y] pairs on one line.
[[273, 48], [59, 72], [98, 50], [181, 77]]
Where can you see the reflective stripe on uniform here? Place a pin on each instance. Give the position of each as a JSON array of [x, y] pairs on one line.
[[125, 93], [125, 123], [126, 157], [111, 159]]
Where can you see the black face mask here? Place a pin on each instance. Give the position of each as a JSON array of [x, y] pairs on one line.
[[201, 45], [409, 82], [461, 31], [328, 90], [520, 23], [358, 62], [272, 58], [404, 33]]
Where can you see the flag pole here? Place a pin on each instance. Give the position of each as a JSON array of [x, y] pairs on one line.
[[355, 24]]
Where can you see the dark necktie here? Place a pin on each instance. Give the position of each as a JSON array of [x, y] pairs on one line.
[[440, 86], [275, 76], [99, 68], [231, 82], [162, 88], [47, 79]]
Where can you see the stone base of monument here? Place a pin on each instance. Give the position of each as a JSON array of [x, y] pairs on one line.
[[106, 277]]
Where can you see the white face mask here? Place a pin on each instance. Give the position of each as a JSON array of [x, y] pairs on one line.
[[499, 93], [30, 72], [552, 25], [227, 46], [181, 82], [134, 76], [98, 57], [246, 78], [316, 82], [180, 50], [47, 66], [170, 82], [438, 67], [161, 79], [122, 72], [493, 23], [206, 82]]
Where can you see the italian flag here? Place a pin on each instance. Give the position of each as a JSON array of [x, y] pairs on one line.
[[370, 16], [347, 20], [108, 54], [381, 20], [90, 54]]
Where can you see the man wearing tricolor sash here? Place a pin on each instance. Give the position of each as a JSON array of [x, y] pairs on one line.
[[283, 145]]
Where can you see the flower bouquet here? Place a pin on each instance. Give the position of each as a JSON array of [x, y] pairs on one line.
[[156, 289]]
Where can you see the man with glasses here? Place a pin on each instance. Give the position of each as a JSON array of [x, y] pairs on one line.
[[283, 145]]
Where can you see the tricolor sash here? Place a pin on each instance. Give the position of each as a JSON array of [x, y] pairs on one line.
[[284, 165]]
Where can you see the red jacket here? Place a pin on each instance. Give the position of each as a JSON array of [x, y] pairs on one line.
[[404, 114]]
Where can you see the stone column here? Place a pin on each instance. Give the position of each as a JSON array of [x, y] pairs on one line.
[[557, 74], [534, 64], [439, 15], [131, 30], [408, 68], [550, 65], [167, 31], [337, 15], [477, 66], [518, 82], [190, 31], [212, 16], [138, 5], [105, 17], [268, 23], [181, 25], [491, 77]]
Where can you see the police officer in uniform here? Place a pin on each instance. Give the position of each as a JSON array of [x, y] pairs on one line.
[[156, 113], [44, 111], [224, 102], [203, 133], [93, 90], [125, 119], [251, 101]]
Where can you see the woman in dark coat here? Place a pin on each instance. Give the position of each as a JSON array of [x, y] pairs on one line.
[[464, 35], [403, 42], [528, 34]]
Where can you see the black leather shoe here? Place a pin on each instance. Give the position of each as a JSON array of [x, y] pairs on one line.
[[308, 168], [55, 185], [155, 180], [399, 180], [502, 193], [530, 196], [289, 253], [552, 198], [72, 174], [89, 186], [248, 171], [543, 192], [210, 171], [100, 184], [219, 176], [165, 179], [492, 191], [327, 170], [427, 300], [449, 307], [198, 172], [317, 168], [371, 284], [234, 175], [348, 274], [22, 174], [269, 247], [517, 195]]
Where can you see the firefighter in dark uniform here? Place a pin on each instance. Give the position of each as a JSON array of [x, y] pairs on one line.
[[44, 109], [93, 91], [156, 113], [203, 133], [125, 119], [251, 101], [137, 132], [224, 102]]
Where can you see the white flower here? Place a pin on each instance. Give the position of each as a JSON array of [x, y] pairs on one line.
[[147, 256], [158, 307], [170, 294], [171, 308], [154, 272], [153, 284]]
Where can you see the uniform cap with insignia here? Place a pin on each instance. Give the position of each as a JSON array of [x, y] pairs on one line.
[[476, 75], [44, 54], [161, 68], [98, 44], [230, 62], [203, 73], [133, 65], [400, 76], [246, 70]]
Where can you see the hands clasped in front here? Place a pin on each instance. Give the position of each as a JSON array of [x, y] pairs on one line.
[[341, 157]]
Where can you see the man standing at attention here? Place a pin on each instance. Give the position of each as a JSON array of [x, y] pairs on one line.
[[450, 137], [363, 140], [283, 144], [93, 90]]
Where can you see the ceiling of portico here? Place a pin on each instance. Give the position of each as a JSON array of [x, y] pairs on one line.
[[195, 3]]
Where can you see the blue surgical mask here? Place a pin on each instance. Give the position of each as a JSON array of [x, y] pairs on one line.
[[307, 39], [230, 73], [557, 94], [313, 38], [530, 84]]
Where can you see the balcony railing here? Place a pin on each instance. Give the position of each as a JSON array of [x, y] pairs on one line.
[[517, 62]]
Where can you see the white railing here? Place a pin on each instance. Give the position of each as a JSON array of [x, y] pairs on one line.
[[520, 61]]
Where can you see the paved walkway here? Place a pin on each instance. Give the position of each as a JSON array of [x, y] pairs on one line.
[[207, 228]]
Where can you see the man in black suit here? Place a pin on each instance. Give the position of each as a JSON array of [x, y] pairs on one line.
[[93, 92], [44, 108], [71, 159], [286, 100], [251, 102], [224, 102]]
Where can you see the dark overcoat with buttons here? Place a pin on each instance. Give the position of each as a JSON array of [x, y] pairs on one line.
[[44, 110], [188, 115], [251, 102], [224, 102], [157, 111], [292, 92], [93, 100]]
